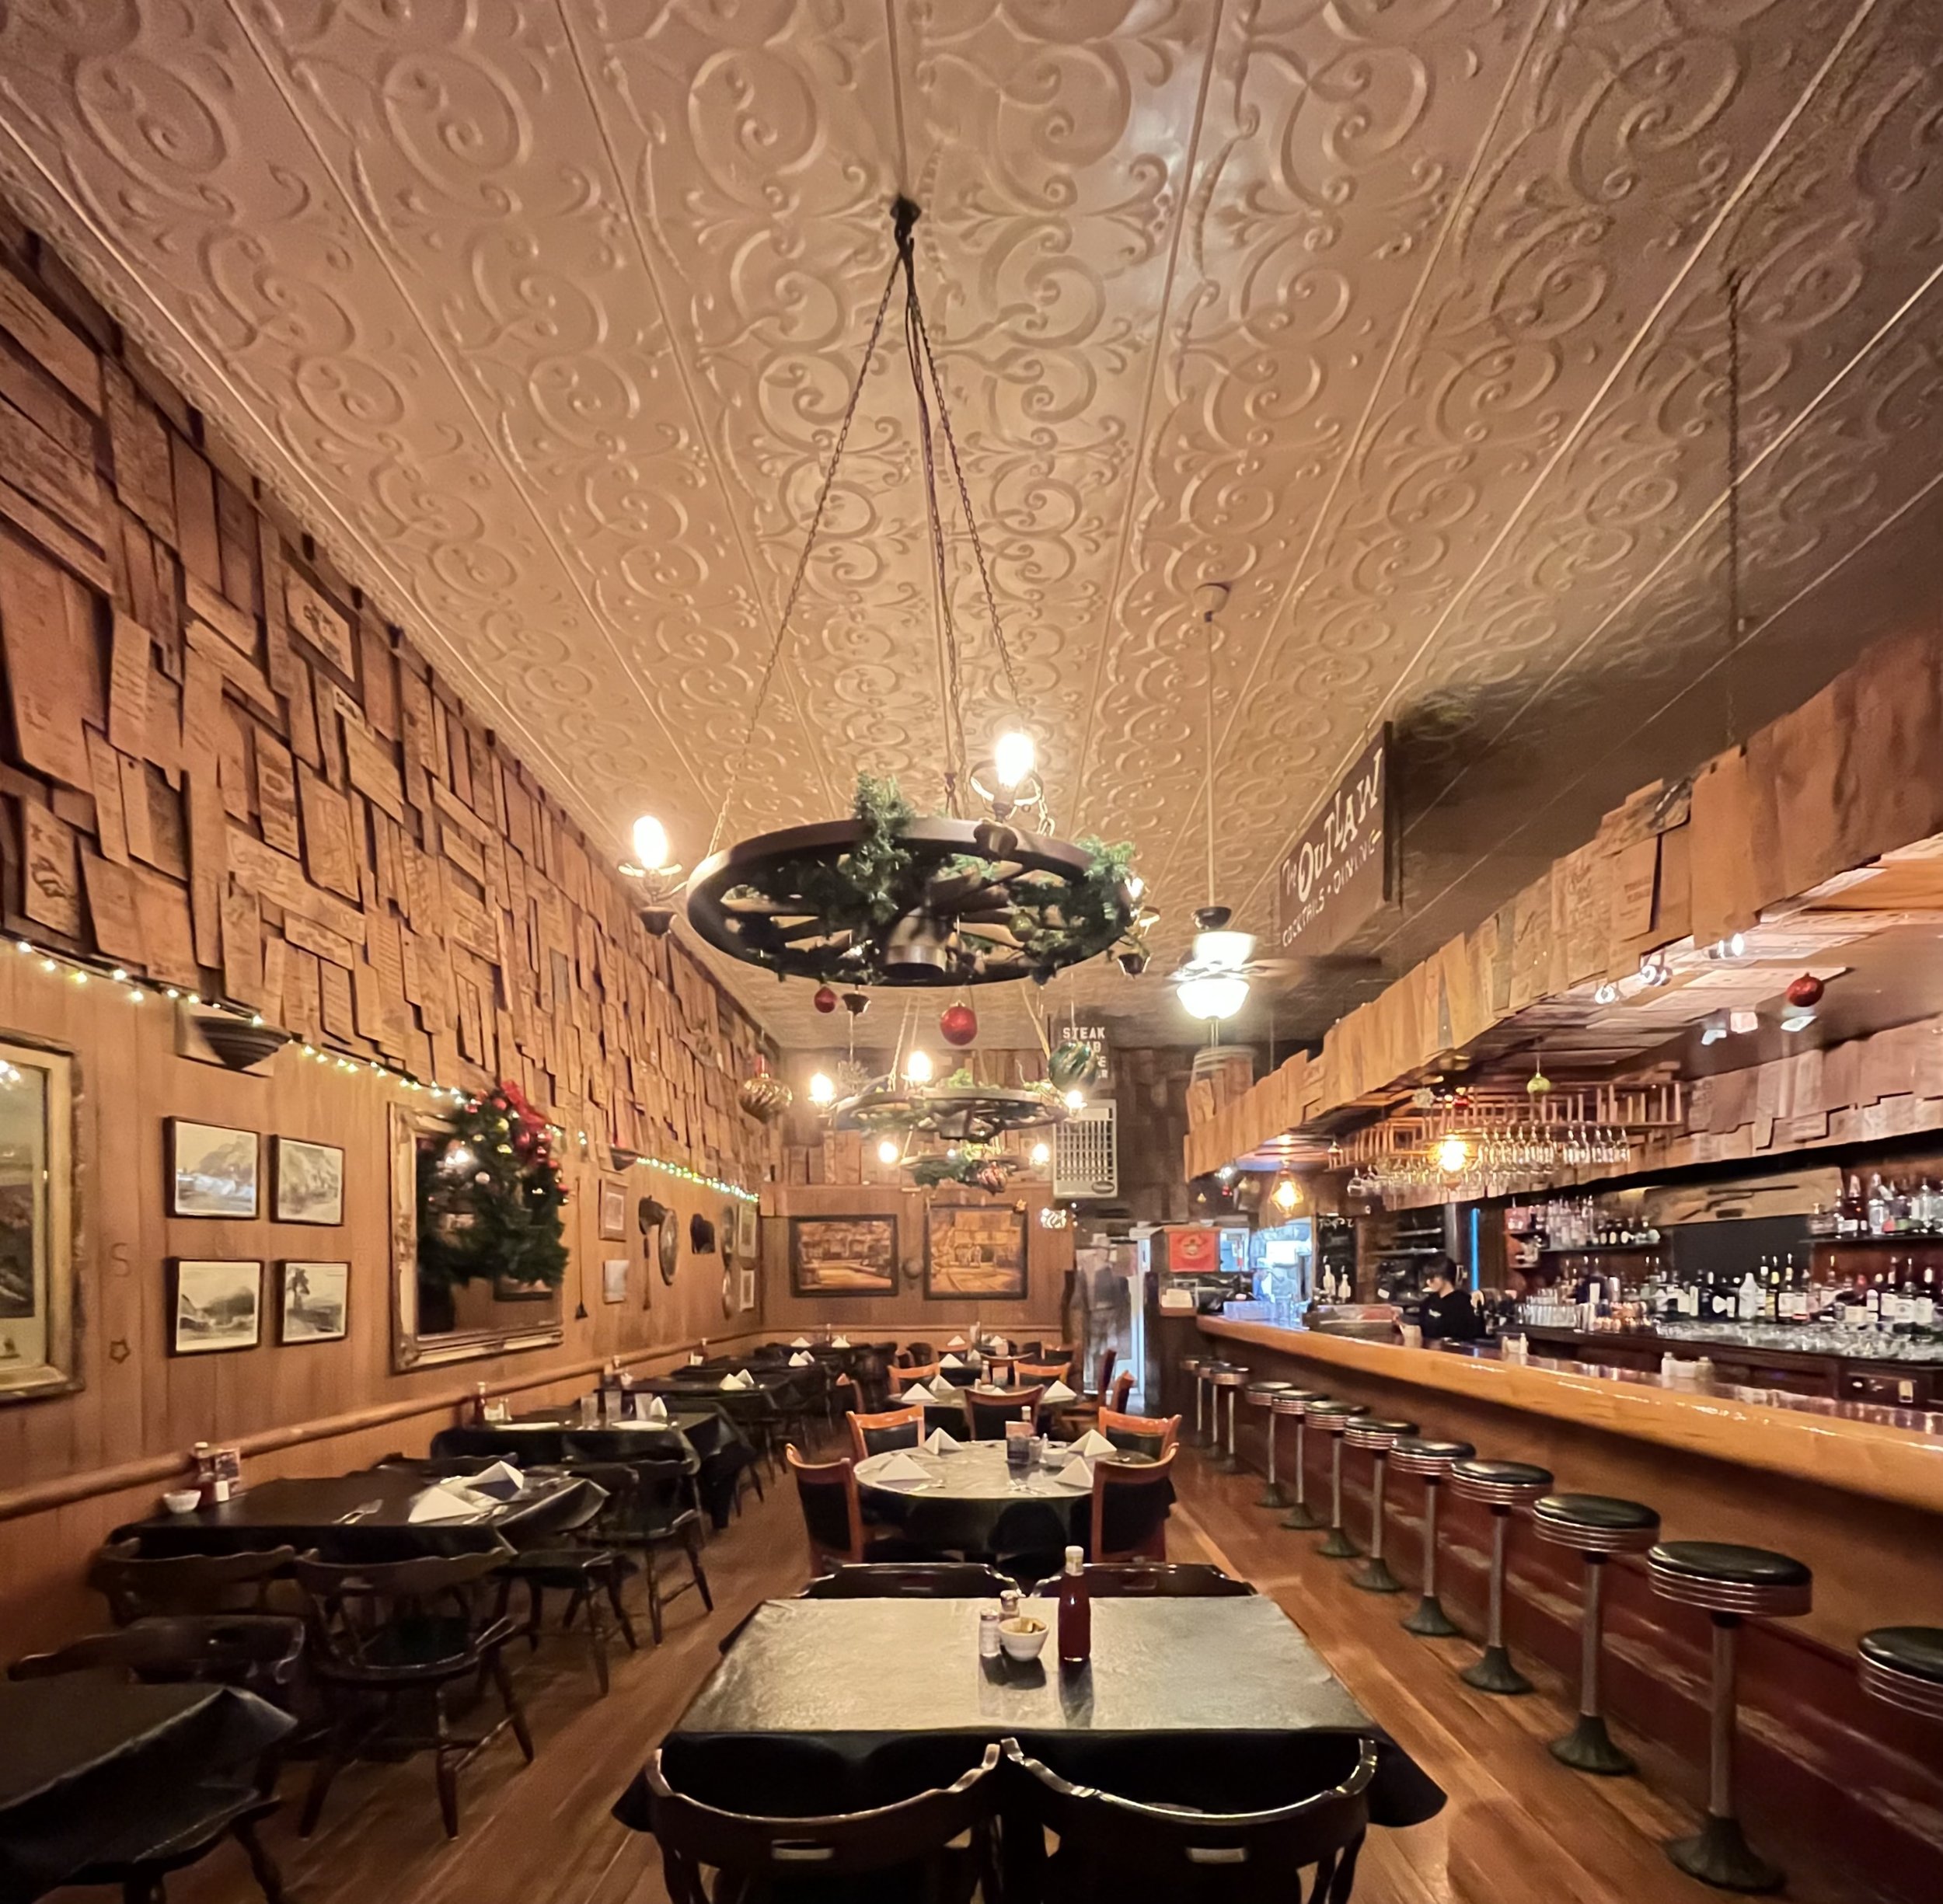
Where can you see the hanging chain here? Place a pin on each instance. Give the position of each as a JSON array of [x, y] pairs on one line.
[[1733, 499], [802, 560]]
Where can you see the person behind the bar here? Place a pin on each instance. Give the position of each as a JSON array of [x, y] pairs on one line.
[[1449, 1315]]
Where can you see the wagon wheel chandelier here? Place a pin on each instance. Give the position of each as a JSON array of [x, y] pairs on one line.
[[886, 898]]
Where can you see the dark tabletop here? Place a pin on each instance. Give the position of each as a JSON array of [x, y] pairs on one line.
[[87, 1766], [863, 1700], [310, 1512], [970, 1503]]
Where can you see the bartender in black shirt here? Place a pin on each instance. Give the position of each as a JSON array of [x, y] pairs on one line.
[[1448, 1313]]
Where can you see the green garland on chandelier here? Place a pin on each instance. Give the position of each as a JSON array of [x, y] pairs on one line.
[[489, 1197]]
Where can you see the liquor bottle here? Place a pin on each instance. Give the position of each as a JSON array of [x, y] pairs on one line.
[[1076, 1611], [1926, 1302], [1877, 1209], [1872, 1304], [1749, 1305]]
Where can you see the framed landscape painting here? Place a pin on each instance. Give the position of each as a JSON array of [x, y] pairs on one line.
[[309, 1179], [974, 1249], [212, 1170], [843, 1255], [215, 1306], [315, 1302]]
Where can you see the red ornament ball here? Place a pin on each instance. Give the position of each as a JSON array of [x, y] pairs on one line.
[[824, 1000], [957, 1024], [1806, 990]]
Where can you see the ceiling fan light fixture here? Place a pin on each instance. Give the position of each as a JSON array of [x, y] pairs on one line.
[[1213, 995]]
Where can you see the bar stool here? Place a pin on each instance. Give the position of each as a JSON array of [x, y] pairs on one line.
[[1431, 1462], [1190, 1368], [1333, 1417], [1379, 1437], [1593, 1527], [1500, 1486], [1296, 1402], [1904, 1666], [1262, 1395], [1730, 1582], [1229, 1380]]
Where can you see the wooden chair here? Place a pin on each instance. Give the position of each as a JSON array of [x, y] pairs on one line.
[[136, 1588], [386, 1640], [901, 1379], [986, 1415], [1130, 1509], [923, 1580], [833, 1515], [1111, 1849], [761, 1858], [663, 1515], [915, 1354], [1076, 1417], [1139, 1434], [1167, 1580], [878, 1434], [579, 1562], [1047, 1373]]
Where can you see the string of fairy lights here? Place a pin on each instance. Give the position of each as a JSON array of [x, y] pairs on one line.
[[137, 991]]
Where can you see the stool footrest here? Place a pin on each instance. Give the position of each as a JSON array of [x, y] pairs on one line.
[[1493, 1672], [1377, 1577], [1589, 1747], [1719, 1854], [1301, 1518], [1274, 1495], [1431, 1622], [1339, 1546]]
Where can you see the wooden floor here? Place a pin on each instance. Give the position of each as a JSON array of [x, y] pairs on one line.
[[1520, 1829]]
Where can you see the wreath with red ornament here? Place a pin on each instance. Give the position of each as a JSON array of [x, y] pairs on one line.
[[489, 1196]]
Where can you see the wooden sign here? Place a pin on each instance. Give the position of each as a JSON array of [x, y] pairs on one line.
[[52, 883], [319, 624], [1342, 871]]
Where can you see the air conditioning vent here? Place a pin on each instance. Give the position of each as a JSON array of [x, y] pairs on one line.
[[1086, 1154]]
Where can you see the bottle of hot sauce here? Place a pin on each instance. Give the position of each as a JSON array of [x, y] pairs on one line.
[[1076, 1611]]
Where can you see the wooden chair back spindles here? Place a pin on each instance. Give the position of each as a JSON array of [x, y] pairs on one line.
[[191, 1583], [1130, 1509], [1140, 1434], [901, 1379], [1107, 1358], [878, 1434], [755, 1854], [986, 1415], [256, 1652], [832, 1513], [1122, 1389]]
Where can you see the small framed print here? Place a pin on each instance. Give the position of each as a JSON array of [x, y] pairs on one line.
[[315, 1302], [614, 1279], [613, 1210], [748, 1288], [215, 1305], [309, 1179], [745, 1230], [212, 1170]]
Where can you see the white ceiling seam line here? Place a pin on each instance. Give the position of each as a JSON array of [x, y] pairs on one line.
[[1698, 251], [381, 252]]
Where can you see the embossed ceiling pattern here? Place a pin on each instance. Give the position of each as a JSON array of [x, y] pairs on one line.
[[1406, 318]]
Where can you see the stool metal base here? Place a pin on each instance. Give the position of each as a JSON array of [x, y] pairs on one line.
[[1589, 1747], [1301, 1518], [1339, 1546], [1492, 1671], [1431, 1622], [1377, 1577], [1720, 1855], [1274, 1495]]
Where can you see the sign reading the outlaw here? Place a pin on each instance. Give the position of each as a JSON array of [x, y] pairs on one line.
[[1341, 871]]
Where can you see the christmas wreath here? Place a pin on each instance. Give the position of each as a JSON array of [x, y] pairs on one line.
[[490, 1196]]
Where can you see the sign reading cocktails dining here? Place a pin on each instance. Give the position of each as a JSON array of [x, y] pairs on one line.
[[1341, 872]]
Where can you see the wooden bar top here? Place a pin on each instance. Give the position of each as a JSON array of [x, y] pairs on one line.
[[1887, 1454]]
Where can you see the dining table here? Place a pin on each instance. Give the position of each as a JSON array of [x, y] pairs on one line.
[[362, 1517], [839, 1705], [92, 1770], [971, 1500]]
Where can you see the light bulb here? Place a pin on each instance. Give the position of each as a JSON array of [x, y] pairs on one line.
[[1219, 996], [822, 1089], [1136, 888], [1452, 1154], [1286, 1194], [917, 1067], [1076, 1099], [1041, 1155], [887, 1150], [1013, 757], [650, 843]]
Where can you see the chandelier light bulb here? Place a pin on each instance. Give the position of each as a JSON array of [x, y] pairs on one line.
[[917, 1067], [1286, 1194], [1014, 756], [1452, 1154], [887, 1151], [1041, 1155], [650, 843], [822, 1089], [1076, 1099], [1218, 996]]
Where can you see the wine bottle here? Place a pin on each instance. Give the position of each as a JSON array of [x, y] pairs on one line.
[[1076, 1611]]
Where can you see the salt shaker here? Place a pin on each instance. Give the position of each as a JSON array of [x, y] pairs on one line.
[[989, 1648]]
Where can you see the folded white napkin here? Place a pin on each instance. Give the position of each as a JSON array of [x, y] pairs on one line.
[[655, 1411], [952, 1362], [1060, 1392], [502, 1480], [1093, 1442], [745, 1380], [940, 1443], [444, 1502], [916, 1396], [942, 1390], [800, 1342], [900, 1469], [1075, 1474], [801, 1361], [839, 1341], [956, 1341]]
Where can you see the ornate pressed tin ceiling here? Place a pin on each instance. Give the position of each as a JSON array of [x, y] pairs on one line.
[[1406, 318]]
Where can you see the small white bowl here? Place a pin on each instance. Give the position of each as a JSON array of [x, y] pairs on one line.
[[182, 1500], [1023, 1638]]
